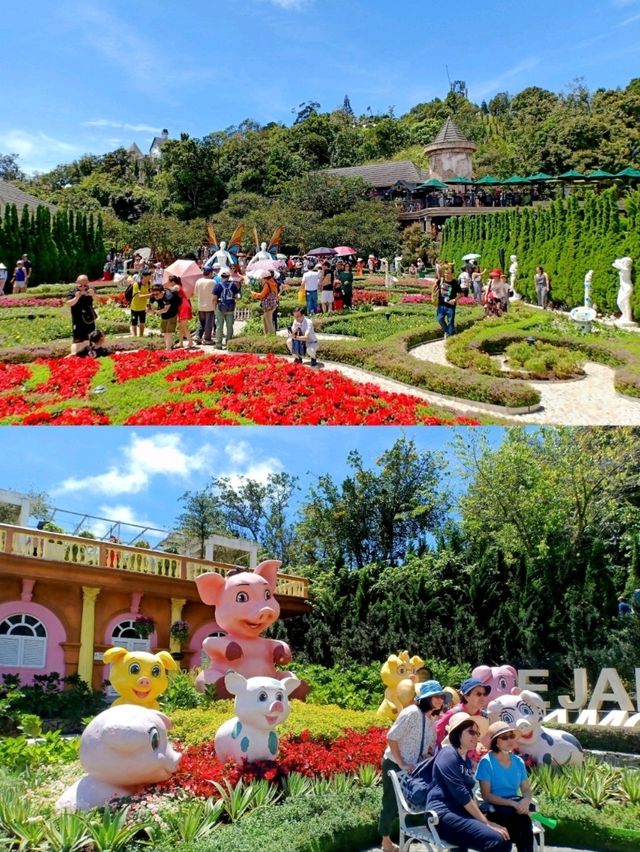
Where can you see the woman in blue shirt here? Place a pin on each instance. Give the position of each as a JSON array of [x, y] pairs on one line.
[[461, 822], [504, 784]]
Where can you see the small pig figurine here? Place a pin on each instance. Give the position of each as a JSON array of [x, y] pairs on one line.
[[245, 606], [138, 676], [502, 679], [122, 749], [261, 704], [544, 745]]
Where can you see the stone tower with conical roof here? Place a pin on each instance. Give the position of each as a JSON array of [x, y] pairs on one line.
[[450, 153]]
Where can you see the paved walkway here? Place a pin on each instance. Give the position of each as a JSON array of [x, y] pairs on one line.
[[590, 401]]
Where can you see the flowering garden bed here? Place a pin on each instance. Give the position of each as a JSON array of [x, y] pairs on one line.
[[181, 388]]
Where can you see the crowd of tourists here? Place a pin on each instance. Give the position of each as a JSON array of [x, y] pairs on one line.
[[17, 281], [451, 749]]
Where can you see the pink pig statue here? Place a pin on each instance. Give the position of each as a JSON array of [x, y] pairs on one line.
[[122, 749], [501, 679], [245, 605]]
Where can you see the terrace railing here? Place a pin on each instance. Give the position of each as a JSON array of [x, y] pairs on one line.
[[75, 550]]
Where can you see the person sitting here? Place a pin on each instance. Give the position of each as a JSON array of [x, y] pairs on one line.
[[450, 795], [474, 699], [504, 785], [410, 740], [302, 338], [96, 346]]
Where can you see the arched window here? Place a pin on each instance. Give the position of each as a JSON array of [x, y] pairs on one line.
[[23, 641], [125, 635]]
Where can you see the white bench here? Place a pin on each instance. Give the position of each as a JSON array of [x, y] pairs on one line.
[[428, 833]]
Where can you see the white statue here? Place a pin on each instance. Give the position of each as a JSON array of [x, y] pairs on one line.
[[513, 275], [588, 301], [223, 257], [623, 265], [263, 254]]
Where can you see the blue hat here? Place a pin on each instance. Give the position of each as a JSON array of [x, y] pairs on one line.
[[470, 683], [429, 688]]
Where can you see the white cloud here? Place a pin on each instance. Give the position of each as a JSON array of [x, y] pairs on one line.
[[496, 84], [121, 125], [39, 152], [238, 452], [290, 4], [145, 458], [259, 471]]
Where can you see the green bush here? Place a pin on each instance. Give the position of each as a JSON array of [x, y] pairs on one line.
[[17, 754], [63, 701], [624, 740], [336, 822]]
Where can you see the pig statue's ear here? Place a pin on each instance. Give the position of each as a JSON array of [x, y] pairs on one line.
[[235, 682], [482, 673], [290, 683], [269, 570], [210, 587], [114, 655]]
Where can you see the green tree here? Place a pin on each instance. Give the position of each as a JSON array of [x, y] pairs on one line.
[[200, 518]]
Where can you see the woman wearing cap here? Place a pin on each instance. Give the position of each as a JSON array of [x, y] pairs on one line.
[[474, 697], [410, 740], [461, 822], [505, 785]]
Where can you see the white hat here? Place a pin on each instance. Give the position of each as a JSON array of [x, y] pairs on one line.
[[2, 266]]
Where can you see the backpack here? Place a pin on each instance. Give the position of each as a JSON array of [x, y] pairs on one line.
[[415, 785], [270, 301], [128, 293], [226, 300]]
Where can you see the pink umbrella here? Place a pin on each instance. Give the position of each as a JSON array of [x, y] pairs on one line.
[[264, 266], [343, 251], [187, 271]]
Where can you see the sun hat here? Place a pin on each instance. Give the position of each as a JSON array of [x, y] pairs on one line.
[[2, 266], [497, 729], [429, 688], [158, 265], [495, 273], [225, 273], [470, 683], [458, 719]]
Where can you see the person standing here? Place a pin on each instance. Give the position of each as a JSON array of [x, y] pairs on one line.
[[346, 279], [4, 274], [311, 282], [225, 293], [185, 312], [326, 289], [83, 315], [410, 740], [19, 279], [448, 290], [269, 299], [206, 307], [165, 303], [139, 302], [28, 266], [541, 280]]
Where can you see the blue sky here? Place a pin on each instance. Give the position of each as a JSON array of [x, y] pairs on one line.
[[138, 476], [84, 76]]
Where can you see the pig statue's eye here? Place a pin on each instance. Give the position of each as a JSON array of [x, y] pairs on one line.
[[155, 671], [279, 696], [154, 738], [507, 716], [401, 670], [502, 683], [525, 709], [263, 696], [134, 668], [267, 595], [242, 597]]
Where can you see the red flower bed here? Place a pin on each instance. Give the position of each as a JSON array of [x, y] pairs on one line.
[[30, 302], [13, 375], [131, 365], [370, 297], [200, 767], [214, 390]]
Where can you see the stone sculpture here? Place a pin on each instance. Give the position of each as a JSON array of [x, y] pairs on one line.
[[623, 265], [121, 750], [261, 704], [513, 277]]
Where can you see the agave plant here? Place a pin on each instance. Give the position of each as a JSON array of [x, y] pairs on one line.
[[111, 833], [264, 793], [369, 775], [236, 800], [194, 819], [67, 832], [342, 783], [597, 791], [555, 784], [321, 786], [295, 784]]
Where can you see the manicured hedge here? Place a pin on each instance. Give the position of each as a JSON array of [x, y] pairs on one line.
[[623, 740], [339, 822], [583, 827]]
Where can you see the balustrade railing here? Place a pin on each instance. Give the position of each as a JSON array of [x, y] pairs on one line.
[[75, 550]]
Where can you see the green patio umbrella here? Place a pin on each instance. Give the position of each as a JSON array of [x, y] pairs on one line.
[[538, 176], [515, 179], [488, 180], [460, 180], [432, 183], [628, 172], [572, 174], [599, 173]]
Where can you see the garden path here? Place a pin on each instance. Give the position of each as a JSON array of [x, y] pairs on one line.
[[592, 401]]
